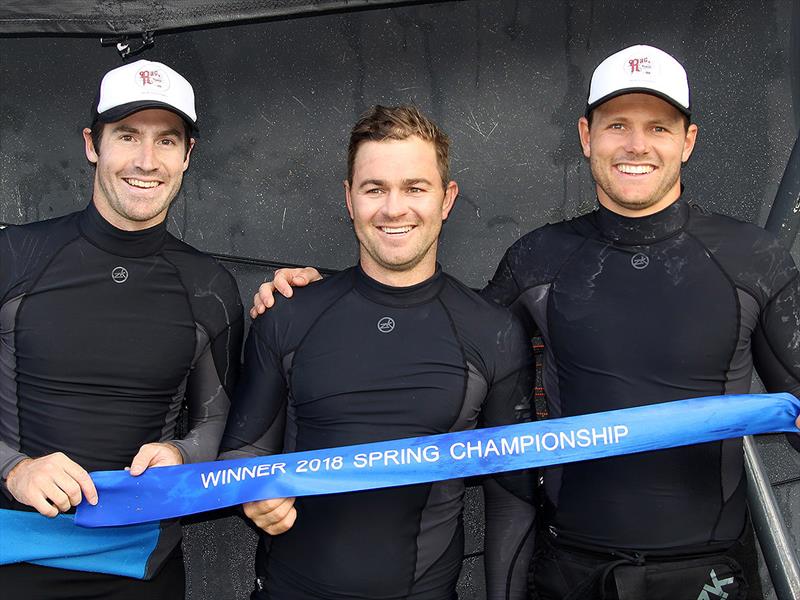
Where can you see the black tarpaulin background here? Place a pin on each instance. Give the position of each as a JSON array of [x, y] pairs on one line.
[[277, 95]]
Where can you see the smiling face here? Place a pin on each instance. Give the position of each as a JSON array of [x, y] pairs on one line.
[[397, 203], [139, 168], [635, 146]]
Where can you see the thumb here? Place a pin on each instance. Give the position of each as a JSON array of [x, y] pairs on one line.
[[143, 459]]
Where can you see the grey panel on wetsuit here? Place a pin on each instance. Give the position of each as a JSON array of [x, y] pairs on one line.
[[9, 415], [442, 506]]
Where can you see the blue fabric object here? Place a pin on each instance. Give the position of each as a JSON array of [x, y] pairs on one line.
[[31, 537], [181, 490]]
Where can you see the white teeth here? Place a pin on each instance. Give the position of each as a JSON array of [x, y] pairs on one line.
[[635, 169], [142, 184], [405, 229]]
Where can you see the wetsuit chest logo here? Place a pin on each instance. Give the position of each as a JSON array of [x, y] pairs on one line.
[[386, 324], [119, 274], [640, 261]]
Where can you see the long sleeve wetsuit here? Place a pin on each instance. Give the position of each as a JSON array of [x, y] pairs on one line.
[[105, 334], [635, 311], [348, 361]]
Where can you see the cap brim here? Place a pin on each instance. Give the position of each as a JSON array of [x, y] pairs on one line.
[[639, 90], [112, 115]]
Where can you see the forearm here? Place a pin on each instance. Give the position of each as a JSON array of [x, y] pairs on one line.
[[208, 404], [9, 458]]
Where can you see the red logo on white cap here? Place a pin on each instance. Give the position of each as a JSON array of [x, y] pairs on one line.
[[152, 79], [640, 65]]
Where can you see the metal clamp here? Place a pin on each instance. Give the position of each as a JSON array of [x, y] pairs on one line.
[[127, 46]]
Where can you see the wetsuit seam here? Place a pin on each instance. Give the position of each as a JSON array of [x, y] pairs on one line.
[[738, 327], [461, 349], [25, 294], [513, 563], [552, 279], [314, 323], [418, 576], [738, 305], [44, 268], [520, 291], [179, 275]]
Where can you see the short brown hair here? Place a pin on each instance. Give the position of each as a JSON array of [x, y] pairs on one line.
[[381, 123]]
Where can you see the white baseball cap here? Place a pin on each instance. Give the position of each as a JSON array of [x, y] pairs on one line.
[[144, 84], [643, 69]]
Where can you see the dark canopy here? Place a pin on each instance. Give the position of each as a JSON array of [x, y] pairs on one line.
[[137, 16]]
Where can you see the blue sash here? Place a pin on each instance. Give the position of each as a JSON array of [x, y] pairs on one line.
[[175, 491], [30, 537]]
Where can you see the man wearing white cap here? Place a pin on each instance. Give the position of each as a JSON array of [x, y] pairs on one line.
[[647, 299], [109, 326]]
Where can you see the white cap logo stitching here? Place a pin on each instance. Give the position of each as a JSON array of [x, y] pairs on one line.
[[640, 65], [119, 275], [152, 79]]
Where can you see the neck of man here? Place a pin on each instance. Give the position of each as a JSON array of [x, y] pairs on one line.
[[110, 215], [401, 277], [635, 212]]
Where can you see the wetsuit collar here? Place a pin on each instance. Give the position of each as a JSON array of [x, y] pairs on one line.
[[642, 230], [130, 244], [398, 297]]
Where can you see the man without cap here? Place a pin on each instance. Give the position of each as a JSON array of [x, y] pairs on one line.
[[391, 348], [109, 326], [647, 299]]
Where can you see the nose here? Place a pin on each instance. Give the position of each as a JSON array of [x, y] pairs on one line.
[[636, 141], [394, 205], [145, 159]]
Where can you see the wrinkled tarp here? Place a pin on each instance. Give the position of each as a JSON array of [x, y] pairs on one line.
[[115, 17]]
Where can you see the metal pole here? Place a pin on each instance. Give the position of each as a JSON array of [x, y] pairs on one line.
[[779, 555], [784, 216]]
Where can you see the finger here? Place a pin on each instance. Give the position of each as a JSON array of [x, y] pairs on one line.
[[143, 459], [84, 481], [43, 507], [266, 294], [70, 487], [310, 274], [278, 513], [166, 455], [284, 524], [261, 507], [282, 284], [56, 496], [258, 307]]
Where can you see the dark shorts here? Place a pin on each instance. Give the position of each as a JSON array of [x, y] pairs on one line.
[[561, 571], [25, 581]]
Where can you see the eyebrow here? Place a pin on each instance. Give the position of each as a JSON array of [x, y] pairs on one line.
[[405, 182], [622, 117], [165, 132], [367, 182], [411, 182]]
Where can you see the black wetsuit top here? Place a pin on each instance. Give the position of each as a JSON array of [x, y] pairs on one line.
[[348, 361], [105, 333], [638, 311]]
